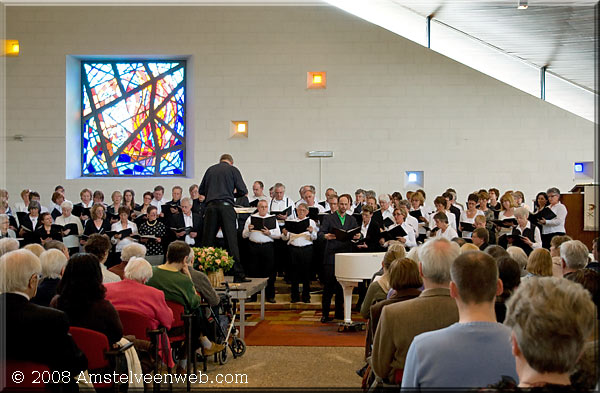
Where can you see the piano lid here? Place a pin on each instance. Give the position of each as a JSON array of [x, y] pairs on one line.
[[357, 266]]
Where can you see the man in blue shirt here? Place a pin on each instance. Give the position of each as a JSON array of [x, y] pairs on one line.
[[476, 351]]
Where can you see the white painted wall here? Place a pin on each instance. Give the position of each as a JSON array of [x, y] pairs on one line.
[[390, 105]]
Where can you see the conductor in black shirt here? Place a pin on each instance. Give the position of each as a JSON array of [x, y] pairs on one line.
[[222, 183]]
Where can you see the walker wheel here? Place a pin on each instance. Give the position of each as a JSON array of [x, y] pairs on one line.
[[238, 347], [222, 356]]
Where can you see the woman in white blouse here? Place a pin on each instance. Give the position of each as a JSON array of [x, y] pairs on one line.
[[440, 205], [120, 225], [556, 226], [531, 234], [70, 239], [508, 211], [468, 216], [5, 231], [407, 241]]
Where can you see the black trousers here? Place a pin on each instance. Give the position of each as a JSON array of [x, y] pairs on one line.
[[546, 238], [300, 260], [282, 258], [262, 257], [219, 214], [331, 287]]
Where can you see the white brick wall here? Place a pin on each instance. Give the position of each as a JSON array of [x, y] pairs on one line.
[[390, 106]]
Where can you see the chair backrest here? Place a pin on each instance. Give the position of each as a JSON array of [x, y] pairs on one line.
[[135, 323], [178, 311], [31, 372], [93, 344]]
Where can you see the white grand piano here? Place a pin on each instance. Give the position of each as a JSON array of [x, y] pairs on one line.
[[350, 269]]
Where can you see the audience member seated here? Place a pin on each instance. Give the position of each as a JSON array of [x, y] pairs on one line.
[[7, 245], [590, 280], [99, 245], [174, 279], [467, 247], [574, 255], [509, 272], [432, 310], [34, 333], [53, 262], [539, 264], [474, 352], [481, 237], [35, 248], [496, 251], [547, 337], [395, 251], [378, 290], [594, 264], [555, 244], [520, 257], [406, 282], [57, 245], [132, 293], [81, 296], [132, 250]]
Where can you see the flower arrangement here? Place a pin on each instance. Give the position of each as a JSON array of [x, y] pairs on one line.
[[211, 259]]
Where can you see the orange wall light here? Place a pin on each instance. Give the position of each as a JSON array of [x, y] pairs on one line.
[[316, 80]]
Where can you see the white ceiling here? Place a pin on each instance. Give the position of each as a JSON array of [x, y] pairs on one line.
[[556, 34]]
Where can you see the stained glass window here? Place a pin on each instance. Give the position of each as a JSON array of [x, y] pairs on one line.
[[133, 118]]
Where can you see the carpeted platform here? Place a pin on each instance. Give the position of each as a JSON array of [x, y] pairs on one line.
[[300, 328]]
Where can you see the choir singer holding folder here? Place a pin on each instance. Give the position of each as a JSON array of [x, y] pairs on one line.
[[331, 223], [262, 252]]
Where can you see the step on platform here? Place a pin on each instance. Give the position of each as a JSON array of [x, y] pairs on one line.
[[283, 300]]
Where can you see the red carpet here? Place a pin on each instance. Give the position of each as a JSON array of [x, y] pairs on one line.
[[300, 328]]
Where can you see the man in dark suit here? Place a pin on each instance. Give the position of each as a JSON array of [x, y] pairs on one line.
[[34, 333], [187, 219], [344, 221]]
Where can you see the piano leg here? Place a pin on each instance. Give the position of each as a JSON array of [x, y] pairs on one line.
[[347, 287]]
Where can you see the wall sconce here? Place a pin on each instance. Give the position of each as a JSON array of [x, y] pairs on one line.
[[522, 5], [316, 80], [11, 48], [239, 129]]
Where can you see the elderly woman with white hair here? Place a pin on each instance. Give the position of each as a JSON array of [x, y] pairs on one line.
[[70, 237], [132, 293], [53, 262], [132, 250], [7, 245]]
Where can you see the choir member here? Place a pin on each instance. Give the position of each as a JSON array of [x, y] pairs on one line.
[[129, 201], [445, 230], [258, 194], [46, 231], [70, 239], [440, 204], [22, 206], [197, 199], [480, 238], [29, 223], [153, 227], [468, 216], [531, 236], [57, 200], [494, 204], [301, 253], [191, 222], [117, 201], [262, 253], [85, 196], [328, 193], [147, 202], [369, 232], [98, 197], [417, 205], [407, 241], [118, 240], [5, 231], [360, 199], [97, 222], [507, 212], [339, 220], [158, 199], [556, 226], [489, 214], [453, 208]]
